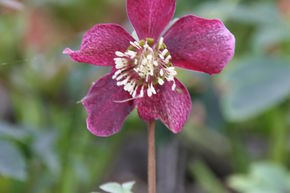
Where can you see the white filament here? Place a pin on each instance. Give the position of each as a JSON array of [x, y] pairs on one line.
[[144, 65]]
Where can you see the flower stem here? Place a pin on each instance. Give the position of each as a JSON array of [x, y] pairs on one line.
[[151, 158]]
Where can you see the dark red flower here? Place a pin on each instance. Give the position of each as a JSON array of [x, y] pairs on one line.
[[143, 73]]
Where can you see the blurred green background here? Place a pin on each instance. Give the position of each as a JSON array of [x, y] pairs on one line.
[[236, 140]]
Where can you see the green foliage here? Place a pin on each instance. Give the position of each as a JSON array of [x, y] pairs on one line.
[[12, 163], [257, 13], [114, 187], [267, 84], [262, 178], [206, 178]]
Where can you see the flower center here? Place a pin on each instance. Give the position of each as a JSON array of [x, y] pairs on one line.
[[143, 67]]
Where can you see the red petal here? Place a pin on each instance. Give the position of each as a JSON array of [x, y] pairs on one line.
[[105, 115], [100, 43], [150, 17], [200, 44], [171, 107]]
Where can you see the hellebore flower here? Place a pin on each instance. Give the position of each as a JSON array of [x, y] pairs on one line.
[[143, 71]]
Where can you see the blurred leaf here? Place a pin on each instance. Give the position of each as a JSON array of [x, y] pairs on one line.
[[12, 163], [263, 178], [266, 37], [255, 14], [128, 186], [12, 132], [207, 180], [206, 138], [276, 122], [253, 86], [43, 147], [114, 187], [28, 109]]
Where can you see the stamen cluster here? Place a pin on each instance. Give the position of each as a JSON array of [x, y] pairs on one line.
[[143, 67]]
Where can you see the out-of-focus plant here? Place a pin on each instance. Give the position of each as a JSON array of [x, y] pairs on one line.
[[113, 187], [254, 85], [264, 177]]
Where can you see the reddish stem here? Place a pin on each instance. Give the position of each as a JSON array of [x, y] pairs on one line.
[[151, 158]]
